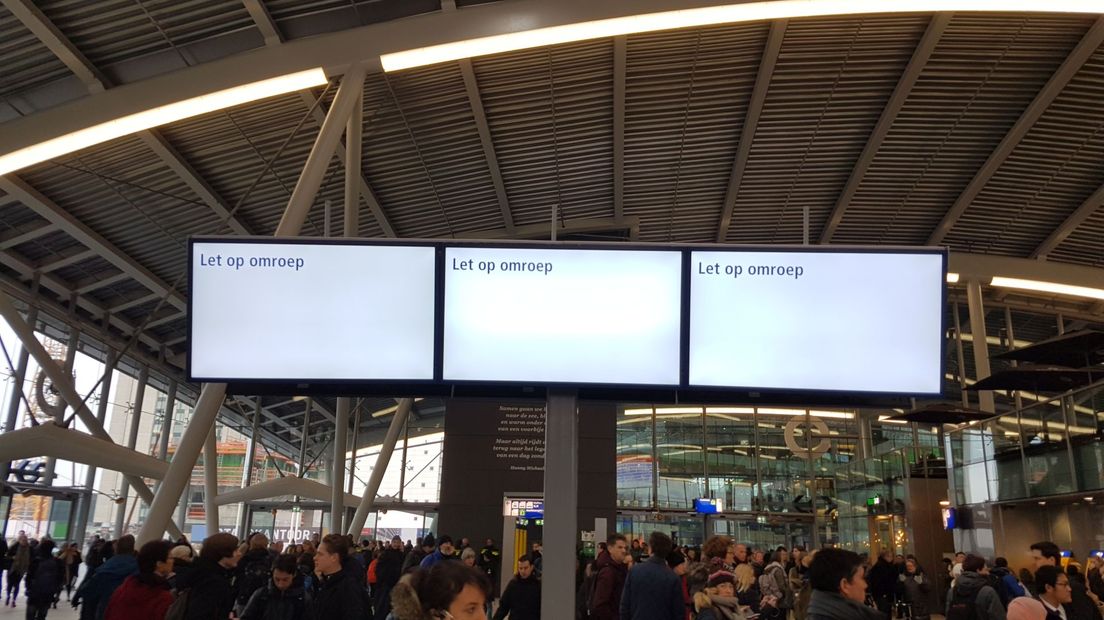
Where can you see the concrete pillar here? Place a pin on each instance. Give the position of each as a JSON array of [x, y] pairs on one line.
[[561, 500], [210, 481], [981, 344], [337, 471]]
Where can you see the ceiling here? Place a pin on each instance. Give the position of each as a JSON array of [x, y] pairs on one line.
[[982, 132]]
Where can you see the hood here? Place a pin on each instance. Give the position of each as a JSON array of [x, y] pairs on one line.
[[968, 584], [119, 566], [404, 601], [136, 593], [834, 606]]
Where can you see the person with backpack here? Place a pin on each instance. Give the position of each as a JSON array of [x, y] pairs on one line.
[[283, 598], [521, 600], [775, 585], [609, 581], [339, 594], [95, 592], [838, 581], [145, 596], [913, 587], [45, 579], [1008, 587], [972, 597], [207, 592], [652, 590], [254, 571]]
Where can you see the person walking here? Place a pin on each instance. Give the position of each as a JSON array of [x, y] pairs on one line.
[[913, 588], [972, 597], [339, 595], [71, 558], [445, 551], [388, 572], [283, 598], [652, 590], [838, 581], [95, 592], [145, 596], [5, 561], [45, 579], [1081, 605], [19, 560], [609, 581], [882, 581], [208, 587], [521, 600]]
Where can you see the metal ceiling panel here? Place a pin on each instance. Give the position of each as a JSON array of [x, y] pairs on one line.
[[26, 63], [981, 76]]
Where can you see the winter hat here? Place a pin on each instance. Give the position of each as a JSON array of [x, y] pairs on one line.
[[1024, 608], [446, 539], [428, 541], [719, 577], [675, 558]]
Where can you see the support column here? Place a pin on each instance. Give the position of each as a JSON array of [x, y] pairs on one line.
[[368, 500], [247, 474], [132, 441], [354, 440], [981, 343], [59, 416], [167, 421], [561, 500], [84, 509], [18, 379], [337, 472], [210, 481], [961, 358]]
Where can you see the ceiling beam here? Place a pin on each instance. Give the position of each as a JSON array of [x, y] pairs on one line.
[[65, 261], [366, 192], [892, 108], [23, 235], [165, 320], [1065, 72], [620, 52], [751, 121], [544, 229], [87, 287], [1075, 219], [264, 22], [134, 303], [46, 32], [48, 209], [476, 101]]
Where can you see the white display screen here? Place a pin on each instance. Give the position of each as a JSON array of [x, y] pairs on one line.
[[831, 321], [546, 315], [311, 312]]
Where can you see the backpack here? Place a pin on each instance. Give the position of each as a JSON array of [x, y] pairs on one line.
[[255, 575], [179, 607], [372, 578], [959, 609], [1001, 586], [783, 582], [590, 586]]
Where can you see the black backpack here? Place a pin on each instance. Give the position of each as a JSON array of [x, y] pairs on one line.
[[962, 608]]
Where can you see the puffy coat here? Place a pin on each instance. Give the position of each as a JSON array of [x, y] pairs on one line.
[[652, 592], [340, 596], [975, 587], [914, 590], [209, 589]]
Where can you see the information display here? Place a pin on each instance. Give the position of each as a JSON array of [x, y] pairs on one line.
[[562, 315], [827, 321], [268, 311]]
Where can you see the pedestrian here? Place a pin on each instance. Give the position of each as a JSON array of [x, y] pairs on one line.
[[882, 581], [5, 561], [1008, 587], [838, 581], [775, 584], [805, 591], [283, 597], [972, 597], [676, 561], [521, 600], [95, 592], [913, 588], [652, 590], [1055, 593], [45, 579], [447, 590], [388, 572], [183, 557], [1094, 568], [717, 601], [339, 595], [490, 562], [71, 558], [19, 560], [146, 595], [416, 554], [1082, 606], [254, 571], [445, 551], [537, 554], [609, 581], [207, 592], [747, 587]]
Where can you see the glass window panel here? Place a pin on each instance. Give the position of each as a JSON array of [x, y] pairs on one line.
[[681, 466], [635, 466]]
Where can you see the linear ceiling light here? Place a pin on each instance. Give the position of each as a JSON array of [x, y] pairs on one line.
[[161, 115], [1048, 287], [708, 16], [952, 277]]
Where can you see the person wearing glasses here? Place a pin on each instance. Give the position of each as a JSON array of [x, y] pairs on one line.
[[1055, 593]]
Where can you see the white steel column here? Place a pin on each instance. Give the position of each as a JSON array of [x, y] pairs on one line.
[[59, 415], [167, 421], [18, 379], [337, 471], [980, 343], [65, 385], [88, 498], [247, 474], [210, 481], [132, 441], [368, 500], [354, 440], [561, 500]]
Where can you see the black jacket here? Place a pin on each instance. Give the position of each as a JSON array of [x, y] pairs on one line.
[[521, 600], [653, 592], [974, 587], [210, 591], [253, 573], [270, 603], [340, 597], [827, 606], [882, 578], [389, 567], [45, 579], [1082, 606]]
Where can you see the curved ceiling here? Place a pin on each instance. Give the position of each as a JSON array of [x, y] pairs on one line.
[[980, 131]]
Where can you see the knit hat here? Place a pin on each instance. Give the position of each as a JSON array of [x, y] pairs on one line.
[[446, 539], [675, 558], [719, 577], [428, 541], [1025, 608]]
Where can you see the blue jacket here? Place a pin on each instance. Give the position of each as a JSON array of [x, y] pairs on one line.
[[433, 558], [97, 591], [652, 592]]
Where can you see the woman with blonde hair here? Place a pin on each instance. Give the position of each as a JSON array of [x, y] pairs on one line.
[[747, 587], [718, 600]]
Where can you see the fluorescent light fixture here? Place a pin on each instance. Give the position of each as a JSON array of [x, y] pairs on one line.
[[952, 277], [707, 16], [391, 409], [161, 115], [1048, 287], [884, 419]]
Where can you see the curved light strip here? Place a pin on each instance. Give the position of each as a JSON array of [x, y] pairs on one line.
[[708, 16], [161, 115]]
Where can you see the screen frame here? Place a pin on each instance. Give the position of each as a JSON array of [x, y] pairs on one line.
[[682, 391]]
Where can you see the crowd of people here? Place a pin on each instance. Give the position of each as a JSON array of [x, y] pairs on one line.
[[335, 578]]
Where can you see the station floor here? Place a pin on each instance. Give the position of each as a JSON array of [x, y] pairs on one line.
[[19, 612]]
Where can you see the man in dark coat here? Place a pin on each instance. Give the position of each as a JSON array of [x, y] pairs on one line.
[[522, 598], [253, 572], [652, 590], [339, 595], [610, 579], [209, 585], [388, 572], [45, 579], [284, 598], [838, 580], [882, 581], [1082, 606]]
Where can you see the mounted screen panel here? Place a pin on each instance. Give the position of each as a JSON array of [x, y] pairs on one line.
[[301, 312], [829, 321], [562, 315]]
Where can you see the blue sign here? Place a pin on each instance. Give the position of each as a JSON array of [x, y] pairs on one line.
[[708, 506]]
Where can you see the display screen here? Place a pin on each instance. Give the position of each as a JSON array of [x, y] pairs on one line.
[[949, 518], [268, 311], [562, 315], [708, 506], [844, 321]]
